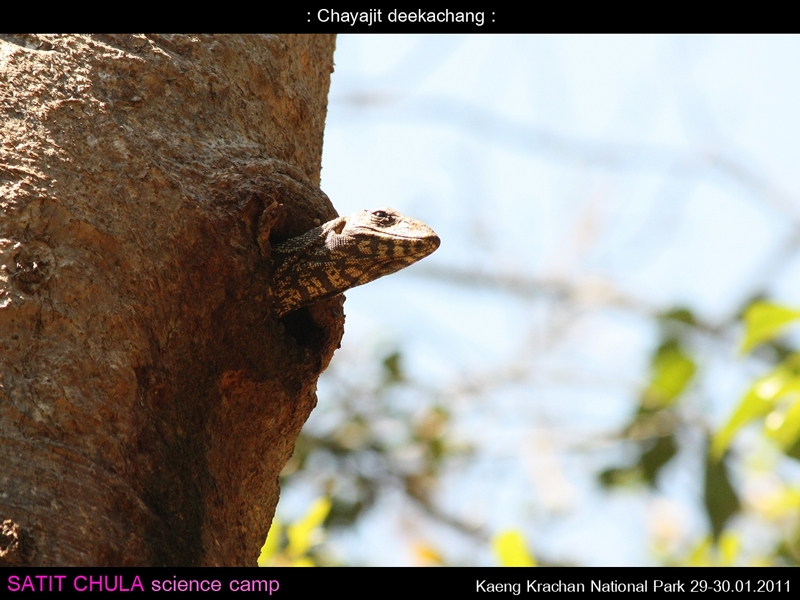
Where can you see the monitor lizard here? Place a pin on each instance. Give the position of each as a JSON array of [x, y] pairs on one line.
[[344, 253]]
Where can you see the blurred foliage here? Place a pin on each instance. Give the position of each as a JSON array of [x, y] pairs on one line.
[[655, 423], [379, 444], [672, 370], [723, 553], [426, 555], [782, 382], [763, 321], [292, 545], [661, 420], [719, 496], [511, 550]]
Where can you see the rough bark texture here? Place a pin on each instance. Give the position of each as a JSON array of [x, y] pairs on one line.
[[148, 396]]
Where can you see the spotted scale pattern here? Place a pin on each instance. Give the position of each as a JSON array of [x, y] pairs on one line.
[[344, 253]]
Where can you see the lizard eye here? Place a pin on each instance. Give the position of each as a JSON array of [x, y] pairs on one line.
[[383, 218]]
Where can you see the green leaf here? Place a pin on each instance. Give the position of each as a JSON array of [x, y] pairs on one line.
[[620, 477], [344, 512], [673, 369], [759, 400], [393, 368], [721, 500], [680, 315], [751, 407], [271, 545], [763, 321], [656, 457], [722, 554], [302, 534], [729, 547], [701, 556], [784, 426], [794, 450], [511, 550]]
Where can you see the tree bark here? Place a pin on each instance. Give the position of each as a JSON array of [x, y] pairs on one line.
[[148, 396]]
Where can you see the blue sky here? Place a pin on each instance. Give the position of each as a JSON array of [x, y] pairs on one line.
[[633, 173]]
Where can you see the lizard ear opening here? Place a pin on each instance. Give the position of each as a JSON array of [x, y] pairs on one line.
[[340, 227]]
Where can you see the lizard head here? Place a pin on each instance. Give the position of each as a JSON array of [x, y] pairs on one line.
[[380, 242], [344, 253]]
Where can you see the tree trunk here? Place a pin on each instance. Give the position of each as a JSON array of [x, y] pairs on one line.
[[148, 396]]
